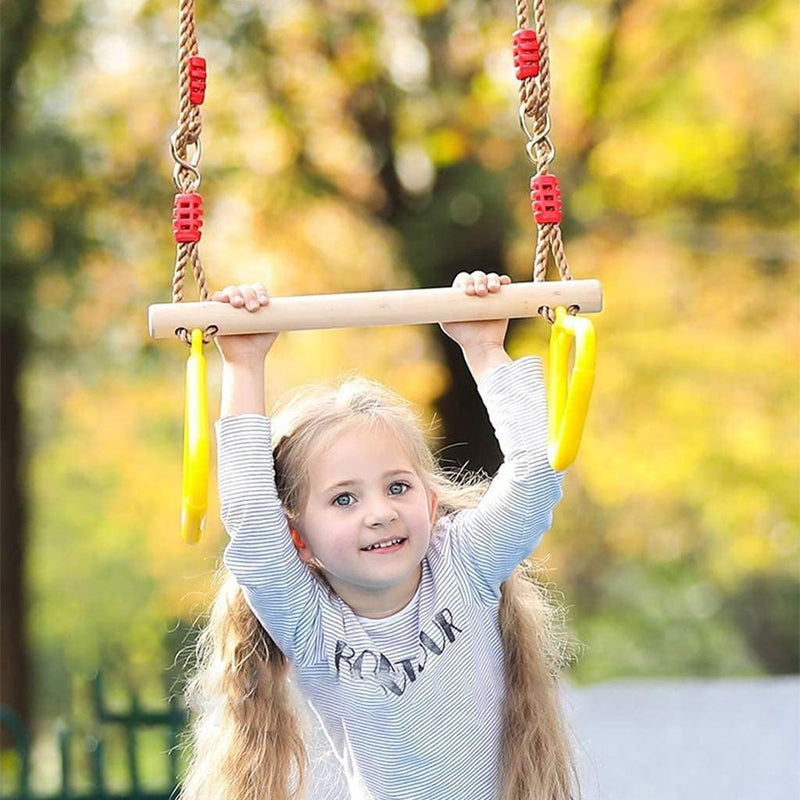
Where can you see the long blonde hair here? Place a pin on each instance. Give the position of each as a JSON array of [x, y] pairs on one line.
[[247, 742]]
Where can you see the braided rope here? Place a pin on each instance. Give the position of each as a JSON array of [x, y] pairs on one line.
[[199, 274], [543, 99], [189, 121], [535, 101], [179, 275], [187, 135]]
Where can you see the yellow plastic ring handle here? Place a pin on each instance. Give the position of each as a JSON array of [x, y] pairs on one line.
[[569, 392], [195, 444]]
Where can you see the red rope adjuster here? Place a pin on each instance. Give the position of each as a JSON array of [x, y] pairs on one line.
[[187, 217], [197, 80], [526, 54], [546, 199]]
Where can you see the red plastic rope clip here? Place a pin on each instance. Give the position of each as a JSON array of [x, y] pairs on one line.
[[546, 199], [187, 217], [197, 80], [526, 54]]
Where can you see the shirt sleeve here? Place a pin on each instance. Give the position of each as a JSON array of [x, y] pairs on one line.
[[278, 586], [516, 511]]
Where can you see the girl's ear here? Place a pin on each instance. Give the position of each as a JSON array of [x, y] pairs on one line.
[[302, 548], [298, 542], [433, 500]]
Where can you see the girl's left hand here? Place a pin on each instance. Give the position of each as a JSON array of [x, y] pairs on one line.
[[481, 333], [245, 347]]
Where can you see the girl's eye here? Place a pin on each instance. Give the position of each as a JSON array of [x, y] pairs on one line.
[[398, 487], [343, 500]]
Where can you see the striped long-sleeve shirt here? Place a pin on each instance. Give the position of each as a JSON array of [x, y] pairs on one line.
[[412, 703]]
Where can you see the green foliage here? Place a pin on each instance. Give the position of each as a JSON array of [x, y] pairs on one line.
[[658, 621]]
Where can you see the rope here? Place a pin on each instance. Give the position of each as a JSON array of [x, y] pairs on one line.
[[534, 95], [189, 121], [186, 152], [534, 106]]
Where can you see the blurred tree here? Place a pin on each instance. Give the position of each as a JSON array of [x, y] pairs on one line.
[[767, 608], [43, 231], [464, 211], [20, 21]]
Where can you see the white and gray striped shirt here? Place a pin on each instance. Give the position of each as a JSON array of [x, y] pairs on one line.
[[411, 704]]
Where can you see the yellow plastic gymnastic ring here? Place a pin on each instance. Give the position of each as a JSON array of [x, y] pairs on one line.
[[195, 444], [569, 392]]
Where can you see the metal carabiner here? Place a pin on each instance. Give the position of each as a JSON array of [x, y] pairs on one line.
[[534, 141], [568, 391], [183, 164], [528, 135], [195, 444]]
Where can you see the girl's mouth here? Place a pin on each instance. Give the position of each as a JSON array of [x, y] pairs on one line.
[[386, 546]]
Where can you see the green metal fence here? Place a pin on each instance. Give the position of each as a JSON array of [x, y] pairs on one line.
[[131, 723]]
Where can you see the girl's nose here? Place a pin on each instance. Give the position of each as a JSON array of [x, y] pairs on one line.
[[380, 512]]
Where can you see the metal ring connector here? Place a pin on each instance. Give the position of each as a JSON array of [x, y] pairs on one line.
[[208, 334], [541, 164], [547, 313]]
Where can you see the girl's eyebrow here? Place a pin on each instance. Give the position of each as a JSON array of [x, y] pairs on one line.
[[390, 473], [347, 482], [340, 485]]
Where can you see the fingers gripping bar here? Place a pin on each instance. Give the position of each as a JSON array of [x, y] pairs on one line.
[[367, 309]]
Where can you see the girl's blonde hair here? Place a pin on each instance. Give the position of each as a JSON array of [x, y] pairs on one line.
[[246, 737]]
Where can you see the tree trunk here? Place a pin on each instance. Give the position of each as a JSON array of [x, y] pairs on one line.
[[20, 24], [437, 247], [14, 689]]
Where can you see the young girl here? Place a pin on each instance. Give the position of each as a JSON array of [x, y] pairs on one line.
[[389, 594]]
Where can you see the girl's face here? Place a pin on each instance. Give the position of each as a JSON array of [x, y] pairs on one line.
[[367, 519]]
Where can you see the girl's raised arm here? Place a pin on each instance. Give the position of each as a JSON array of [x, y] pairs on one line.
[[482, 342], [517, 509], [243, 356], [278, 586]]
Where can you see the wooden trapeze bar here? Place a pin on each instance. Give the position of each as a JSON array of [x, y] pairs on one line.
[[367, 309]]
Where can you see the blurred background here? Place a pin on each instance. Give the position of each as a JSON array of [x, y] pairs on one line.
[[371, 144]]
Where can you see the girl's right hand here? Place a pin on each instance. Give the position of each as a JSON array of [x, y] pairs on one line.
[[250, 346]]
